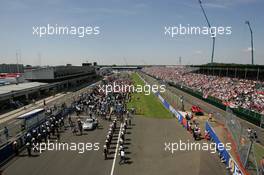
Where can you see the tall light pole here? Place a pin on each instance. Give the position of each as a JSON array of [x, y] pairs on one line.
[[252, 48], [209, 25], [180, 60], [17, 62]]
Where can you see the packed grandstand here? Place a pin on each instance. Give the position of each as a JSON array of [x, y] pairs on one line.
[[233, 92]]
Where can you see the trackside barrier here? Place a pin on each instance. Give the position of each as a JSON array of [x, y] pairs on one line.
[[181, 119], [5, 152], [224, 154], [179, 116]]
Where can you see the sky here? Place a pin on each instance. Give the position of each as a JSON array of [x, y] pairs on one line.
[[131, 31]]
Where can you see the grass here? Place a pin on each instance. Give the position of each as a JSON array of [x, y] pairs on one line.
[[259, 151], [147, 105]]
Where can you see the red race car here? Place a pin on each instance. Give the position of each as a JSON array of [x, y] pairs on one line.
[[197, 110]]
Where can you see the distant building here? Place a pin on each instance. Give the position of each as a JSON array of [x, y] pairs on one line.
[[11, 78], [11, 68], [86, 64], [11, 73], [58, 73]]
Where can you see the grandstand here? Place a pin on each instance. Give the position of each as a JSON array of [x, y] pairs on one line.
[[244, 71], [213, 83]]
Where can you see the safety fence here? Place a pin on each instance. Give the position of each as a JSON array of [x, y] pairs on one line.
[[224, 154]]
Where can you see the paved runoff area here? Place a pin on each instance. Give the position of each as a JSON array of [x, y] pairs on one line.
[[144, 151]]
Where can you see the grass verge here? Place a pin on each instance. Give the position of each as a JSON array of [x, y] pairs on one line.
[[147, 105], [259, 152]]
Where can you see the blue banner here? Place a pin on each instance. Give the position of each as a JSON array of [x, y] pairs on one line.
[[229, 161]]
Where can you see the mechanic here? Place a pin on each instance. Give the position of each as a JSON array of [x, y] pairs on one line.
[[6, 132], [121, 142], [105, 152], [58, 137], [28, 146], [44, 134], [107, 143], [80, 126], [39, 138], [122, 135], [122, 156], [15, 147], [261, 163]]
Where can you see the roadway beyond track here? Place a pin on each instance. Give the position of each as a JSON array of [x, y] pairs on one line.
[[144, 147]]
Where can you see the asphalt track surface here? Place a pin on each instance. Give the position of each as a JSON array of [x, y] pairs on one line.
[[145, 154]]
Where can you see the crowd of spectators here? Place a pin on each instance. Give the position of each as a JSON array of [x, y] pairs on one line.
[[234, 92]]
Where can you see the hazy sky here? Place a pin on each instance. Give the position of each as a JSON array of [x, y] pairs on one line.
[[131, 31]]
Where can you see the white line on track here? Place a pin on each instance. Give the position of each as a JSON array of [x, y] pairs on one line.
[[116, 150]]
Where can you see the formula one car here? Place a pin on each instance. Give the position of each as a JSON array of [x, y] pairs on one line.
[[197, 110]]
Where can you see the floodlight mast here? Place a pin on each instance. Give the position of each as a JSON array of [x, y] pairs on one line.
[[252, 48], [209, 25]]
